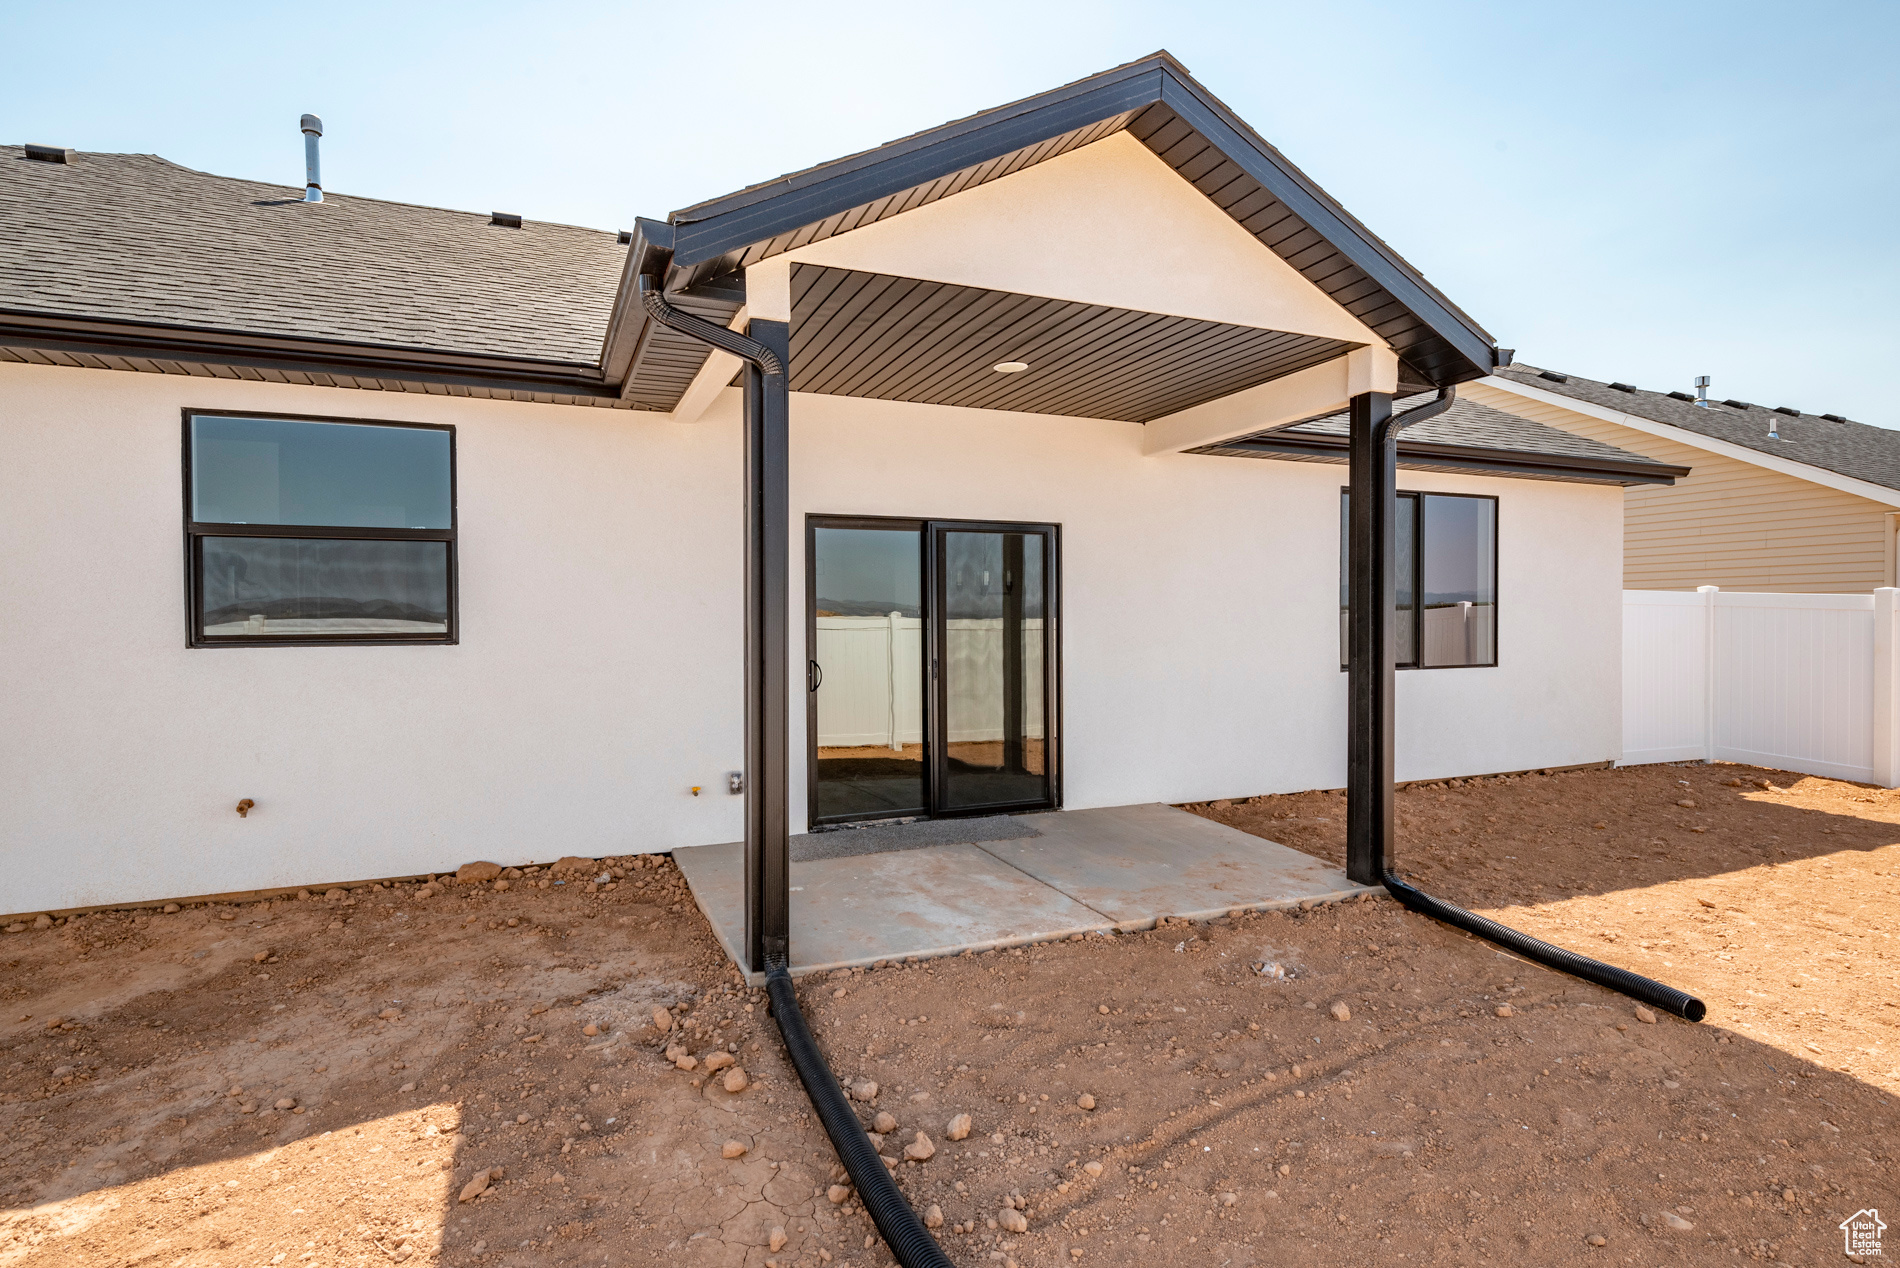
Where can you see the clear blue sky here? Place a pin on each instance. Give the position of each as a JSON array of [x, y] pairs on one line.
[[1639, 191]]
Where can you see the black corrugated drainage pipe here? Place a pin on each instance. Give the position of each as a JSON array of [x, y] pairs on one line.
[[1634, 985], [896, 1222]]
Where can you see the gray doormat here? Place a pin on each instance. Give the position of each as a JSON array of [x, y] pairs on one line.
[[838, 843]]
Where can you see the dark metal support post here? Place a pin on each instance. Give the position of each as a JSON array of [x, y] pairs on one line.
[[767, 651], [1372, 594]]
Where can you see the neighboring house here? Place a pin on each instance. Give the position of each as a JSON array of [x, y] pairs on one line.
[[421, 531], [1812, 508]]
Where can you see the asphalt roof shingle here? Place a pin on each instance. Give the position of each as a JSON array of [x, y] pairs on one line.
[[135, 238], [1847, 448]]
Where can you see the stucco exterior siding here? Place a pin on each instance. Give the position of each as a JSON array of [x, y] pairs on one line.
[[1730, 523], [598, 677]]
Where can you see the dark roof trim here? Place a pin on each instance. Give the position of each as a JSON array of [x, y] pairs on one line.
[[1341, 230], [714, 235], [711, 229], [211, 347], [1479, 461]]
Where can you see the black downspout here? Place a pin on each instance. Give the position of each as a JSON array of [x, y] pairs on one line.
[[1372, 595], [768, 876]]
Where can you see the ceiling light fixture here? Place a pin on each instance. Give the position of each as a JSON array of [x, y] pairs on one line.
[[1010, 367]]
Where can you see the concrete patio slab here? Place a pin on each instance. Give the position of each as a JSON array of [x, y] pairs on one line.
[[1135, 864], [1088, 871]]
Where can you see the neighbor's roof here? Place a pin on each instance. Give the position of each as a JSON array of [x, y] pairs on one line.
[[1467, 437], [135, 238], [1829, 442]]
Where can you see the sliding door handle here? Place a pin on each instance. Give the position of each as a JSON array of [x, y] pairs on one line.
[[815, 675]]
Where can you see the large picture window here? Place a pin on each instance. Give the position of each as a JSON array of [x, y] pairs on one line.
[[319, 531], [1447, 566]]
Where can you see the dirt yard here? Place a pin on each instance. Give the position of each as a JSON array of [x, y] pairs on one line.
[[318, 1081]]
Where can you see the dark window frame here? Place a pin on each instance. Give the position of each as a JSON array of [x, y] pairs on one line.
[[928, 606], [196, 531], [1417, 609]]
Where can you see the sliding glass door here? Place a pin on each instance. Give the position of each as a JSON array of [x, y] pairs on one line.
[[866, 644], [932, 648], [993, 649]]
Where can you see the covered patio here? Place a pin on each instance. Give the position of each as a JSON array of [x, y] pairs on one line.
[[977, 268], [913, 891]]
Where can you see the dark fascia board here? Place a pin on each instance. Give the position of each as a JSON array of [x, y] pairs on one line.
[[629, 329], [710, 230], [1462, 457], [86, 336], [1203, 112]]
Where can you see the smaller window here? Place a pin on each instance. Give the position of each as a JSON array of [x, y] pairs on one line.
[[312, 531], [1447, 568]]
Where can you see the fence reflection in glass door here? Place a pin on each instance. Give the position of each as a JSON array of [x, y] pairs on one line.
[[994, 651]]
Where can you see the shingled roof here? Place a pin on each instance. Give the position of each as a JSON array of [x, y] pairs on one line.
[[1467, 437], [138, 239], [1831, 443], [127, 261]]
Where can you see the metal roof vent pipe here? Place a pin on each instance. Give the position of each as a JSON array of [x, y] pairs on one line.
[[312, 181], [1702, 390]]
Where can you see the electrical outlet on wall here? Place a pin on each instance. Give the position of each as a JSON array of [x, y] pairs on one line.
[[735, 782]]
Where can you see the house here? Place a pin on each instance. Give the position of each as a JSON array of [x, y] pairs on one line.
[[1013, 482], [1779, 500]]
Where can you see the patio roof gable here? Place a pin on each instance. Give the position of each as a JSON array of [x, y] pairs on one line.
[[1157, 103]]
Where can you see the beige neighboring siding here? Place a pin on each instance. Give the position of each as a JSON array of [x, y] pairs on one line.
[[1730, 523]]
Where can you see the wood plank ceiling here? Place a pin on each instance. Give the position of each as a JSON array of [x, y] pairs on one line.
[[901, 339]]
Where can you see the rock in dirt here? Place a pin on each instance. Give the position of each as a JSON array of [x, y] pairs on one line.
[[288, 1102], [1229, 1199], [1504, 1010], [885, 1123], [1012, 1220], [735, 1080], [719, 1061], [777, 1239], [686, 1061], [1596, 1239], [1687, 803], [1093, 1167], [42, 921], [838, 1193], [573, 865], [501, 886], [733, 1149], [477, 1185], [590, 1030], [1340, 1012], [864, 1090], [958, 1128], [477, 872], [1676, 1222], [933, 1218], [1086, 1101], [920, 1149], [662, 1020], [1645, 1016], [260, 957]]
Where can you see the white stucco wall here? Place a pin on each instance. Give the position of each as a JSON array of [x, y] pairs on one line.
[[598, 676]]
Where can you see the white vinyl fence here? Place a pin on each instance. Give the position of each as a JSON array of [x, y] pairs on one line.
[[871, 692], [1801, 682]]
